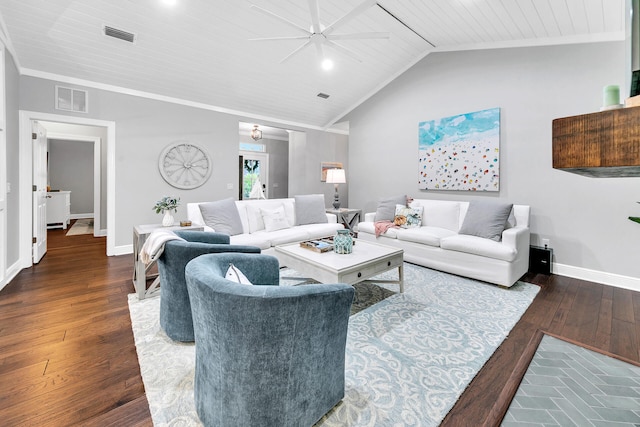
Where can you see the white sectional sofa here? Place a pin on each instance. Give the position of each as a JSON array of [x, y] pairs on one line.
[[438, 244], [299, 224]]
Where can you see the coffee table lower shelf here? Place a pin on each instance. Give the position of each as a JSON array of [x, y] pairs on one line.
[[367, 260]]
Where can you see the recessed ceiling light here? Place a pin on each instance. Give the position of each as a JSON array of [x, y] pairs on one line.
[[327, 64]]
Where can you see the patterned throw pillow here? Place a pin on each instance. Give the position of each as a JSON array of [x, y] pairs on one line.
[[407, 217]]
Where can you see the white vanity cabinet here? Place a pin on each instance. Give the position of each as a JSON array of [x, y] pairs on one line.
[[58, 209]]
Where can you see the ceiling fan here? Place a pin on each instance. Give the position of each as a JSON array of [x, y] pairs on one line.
[[319, 35]]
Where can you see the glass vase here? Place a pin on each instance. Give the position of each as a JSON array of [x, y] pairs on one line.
[[343, 242]]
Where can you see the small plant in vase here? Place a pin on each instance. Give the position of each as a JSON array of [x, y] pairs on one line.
[[165, 206]]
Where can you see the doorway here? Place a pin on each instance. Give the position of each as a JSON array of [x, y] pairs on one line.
[[86, 199], [254, 175], [26, 170]]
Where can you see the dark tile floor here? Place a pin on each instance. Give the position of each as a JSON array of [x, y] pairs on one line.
[[567, 385]]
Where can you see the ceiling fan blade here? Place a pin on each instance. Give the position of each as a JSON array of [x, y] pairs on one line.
[[261, 39], [280, 18], [314, 8], [343, 50], [307, 43], [355, 36], [366, 4]]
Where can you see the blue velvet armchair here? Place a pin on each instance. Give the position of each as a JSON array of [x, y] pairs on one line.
[[266, 355], [175, 308]]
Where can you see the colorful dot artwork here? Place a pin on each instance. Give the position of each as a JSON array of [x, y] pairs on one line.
[[460, 152]]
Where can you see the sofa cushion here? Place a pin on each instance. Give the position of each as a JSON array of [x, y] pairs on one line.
[[222, 216], [274, 219], [310, 209], [318, 231], [369, 227], [407, 217], [479, 246], [486, 219], [387, 207], [258, 239], [284, 236], [425, 235], [440, 213]]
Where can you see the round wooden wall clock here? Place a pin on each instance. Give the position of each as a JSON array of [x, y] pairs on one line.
[[185, 165]]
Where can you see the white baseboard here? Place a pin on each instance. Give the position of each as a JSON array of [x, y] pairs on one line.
[[81, 216], [122, 250], [101, 233], [611, 279]]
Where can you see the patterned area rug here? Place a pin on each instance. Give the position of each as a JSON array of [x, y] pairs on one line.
[[409, 356], [81, 226]]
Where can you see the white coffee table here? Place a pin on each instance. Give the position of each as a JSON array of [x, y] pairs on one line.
[[367, 260]]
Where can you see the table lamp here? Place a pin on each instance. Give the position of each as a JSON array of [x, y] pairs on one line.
[[335, 177]]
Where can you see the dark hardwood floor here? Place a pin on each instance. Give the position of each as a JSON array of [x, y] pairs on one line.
[[67, 355]]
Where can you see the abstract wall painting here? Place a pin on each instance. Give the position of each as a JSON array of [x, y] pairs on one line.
[[460, 152]]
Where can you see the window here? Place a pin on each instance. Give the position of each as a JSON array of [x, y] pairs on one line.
[[248, 146], [71, 99]]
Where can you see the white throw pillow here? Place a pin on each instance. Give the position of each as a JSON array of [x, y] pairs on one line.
[[254, 217], [274, 219], [235, 275]]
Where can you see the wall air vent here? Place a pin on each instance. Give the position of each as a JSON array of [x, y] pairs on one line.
[[119, 34], [323, 95]]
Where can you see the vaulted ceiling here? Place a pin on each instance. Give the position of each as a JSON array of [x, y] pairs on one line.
[[200, 51]]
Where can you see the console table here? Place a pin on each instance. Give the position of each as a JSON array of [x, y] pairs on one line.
[[349, 217], [140, 269]]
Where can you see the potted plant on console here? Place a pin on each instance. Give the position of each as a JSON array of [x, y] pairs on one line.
[[165, 206]]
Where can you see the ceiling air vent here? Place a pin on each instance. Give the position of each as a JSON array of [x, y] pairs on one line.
[[323, 95], [119, 34]]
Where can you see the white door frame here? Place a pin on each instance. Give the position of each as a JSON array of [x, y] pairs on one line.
[[96, 171], [3, 172], [25, 153]]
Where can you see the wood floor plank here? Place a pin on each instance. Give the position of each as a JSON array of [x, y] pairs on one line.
[[67, 349]]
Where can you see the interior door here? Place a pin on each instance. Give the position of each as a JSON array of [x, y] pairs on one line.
[[39, 136], [254, 172]]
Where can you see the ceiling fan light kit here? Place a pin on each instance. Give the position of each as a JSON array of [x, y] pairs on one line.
[[320, 36]]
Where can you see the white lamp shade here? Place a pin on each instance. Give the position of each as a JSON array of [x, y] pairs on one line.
[[336, 176]]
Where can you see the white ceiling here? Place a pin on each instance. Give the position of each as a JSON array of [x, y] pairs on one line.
[[199, 51]]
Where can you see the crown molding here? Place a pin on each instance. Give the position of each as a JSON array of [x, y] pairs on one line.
[[157, 97]]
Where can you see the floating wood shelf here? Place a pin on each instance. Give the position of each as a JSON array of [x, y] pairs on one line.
[[603, 144]]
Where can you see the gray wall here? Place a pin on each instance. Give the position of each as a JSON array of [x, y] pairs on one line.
[[307, 150], [13, 138], [71, 169], [144, 127], [584, 218]]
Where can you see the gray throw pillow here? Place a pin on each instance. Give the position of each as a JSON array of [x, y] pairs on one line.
[[387, 207], [310, 209], [222, 216], [486, 219]]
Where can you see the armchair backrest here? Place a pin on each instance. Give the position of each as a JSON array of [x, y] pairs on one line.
[[175, 308], [265, 355]]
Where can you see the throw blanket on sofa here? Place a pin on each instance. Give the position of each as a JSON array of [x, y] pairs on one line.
[[154, 245], [382, 226]]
